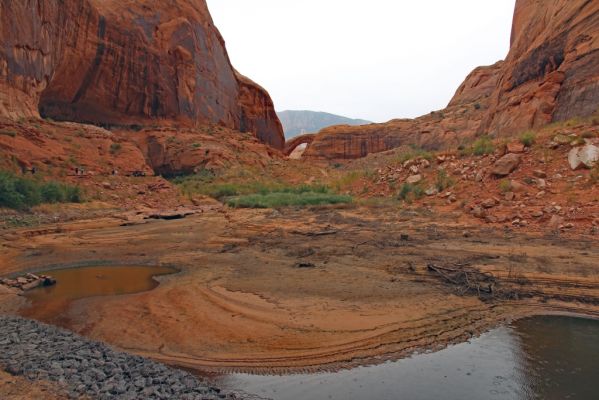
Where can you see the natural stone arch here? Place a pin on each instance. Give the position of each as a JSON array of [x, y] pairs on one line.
[[297, 141]]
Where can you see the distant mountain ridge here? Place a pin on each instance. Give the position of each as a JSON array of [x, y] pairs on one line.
[[296, 122]]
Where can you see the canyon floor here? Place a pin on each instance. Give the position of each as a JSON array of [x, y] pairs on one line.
[[303, 289]]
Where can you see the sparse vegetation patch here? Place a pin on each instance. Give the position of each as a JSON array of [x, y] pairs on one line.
[[22, 193]]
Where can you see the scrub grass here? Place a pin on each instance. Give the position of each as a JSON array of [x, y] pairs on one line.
[[287, 199], [22, 193]]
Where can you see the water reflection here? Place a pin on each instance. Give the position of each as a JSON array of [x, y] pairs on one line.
[[537, 358]]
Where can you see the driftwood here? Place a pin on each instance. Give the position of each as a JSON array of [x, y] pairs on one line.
[[468, 280]]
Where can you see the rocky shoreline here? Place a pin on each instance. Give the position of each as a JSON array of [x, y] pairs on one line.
[[87, 369]]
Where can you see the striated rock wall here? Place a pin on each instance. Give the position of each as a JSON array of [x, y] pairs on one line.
[[124, 62], [550, 74]]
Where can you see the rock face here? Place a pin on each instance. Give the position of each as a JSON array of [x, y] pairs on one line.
[[459, 122], [550, 74], [125, 62]]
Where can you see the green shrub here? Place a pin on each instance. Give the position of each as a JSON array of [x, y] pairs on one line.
[[409, 192], [444, 181], [482, 146], [413, 154], [528, 138], [115, 148], [287, 199], [22, 193], [505, 186], [589, 135], [7, 132]]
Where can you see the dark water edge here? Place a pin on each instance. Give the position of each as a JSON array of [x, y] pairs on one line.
[[544, 358]]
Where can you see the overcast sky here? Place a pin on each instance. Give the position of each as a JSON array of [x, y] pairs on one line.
[[375, 59]]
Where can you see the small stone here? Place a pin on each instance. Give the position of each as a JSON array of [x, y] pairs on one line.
[[510, 196], [555, 222], [478, 212], [540, 174]]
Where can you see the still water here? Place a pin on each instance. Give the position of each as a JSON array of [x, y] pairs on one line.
[[544, 358], [78, 283]]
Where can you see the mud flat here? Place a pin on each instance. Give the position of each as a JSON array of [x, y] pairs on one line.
[[320, 289]]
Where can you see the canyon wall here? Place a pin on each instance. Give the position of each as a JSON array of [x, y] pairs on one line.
[[456, 124], [125, 62], [550, 74]]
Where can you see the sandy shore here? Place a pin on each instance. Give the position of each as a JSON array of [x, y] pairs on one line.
[[298, 290]]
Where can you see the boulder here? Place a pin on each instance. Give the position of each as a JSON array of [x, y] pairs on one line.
[[506, 165], [479, 212], [517, 187], [414, 179], [431, 191], [515, 147], [583, 157], [489, 203]]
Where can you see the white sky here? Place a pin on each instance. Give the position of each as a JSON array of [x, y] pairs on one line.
[[375, 59]]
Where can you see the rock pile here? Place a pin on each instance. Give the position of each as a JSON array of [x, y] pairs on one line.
[[90, 369], [28, 282]]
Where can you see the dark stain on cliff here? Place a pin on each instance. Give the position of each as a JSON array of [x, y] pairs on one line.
[[541, 61], [93, 69]]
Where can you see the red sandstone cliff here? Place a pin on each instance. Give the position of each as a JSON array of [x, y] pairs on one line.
[[550, 74], [450, 127], [552, 70], [124, 62]]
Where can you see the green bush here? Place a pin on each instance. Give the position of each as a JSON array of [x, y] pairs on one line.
[[8, 133], [528, 138], [443, 181], [409, 192], [482, 146], [287, 199], [413, 154], [22, 193], [115, 148], [505, 186]]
